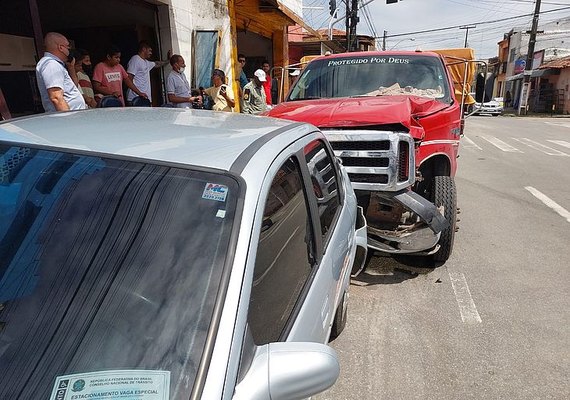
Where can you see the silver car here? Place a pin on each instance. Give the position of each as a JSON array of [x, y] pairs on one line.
[[171, 254]]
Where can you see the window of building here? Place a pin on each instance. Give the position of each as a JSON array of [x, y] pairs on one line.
[[325, 185], [204, 56], [284, 256]]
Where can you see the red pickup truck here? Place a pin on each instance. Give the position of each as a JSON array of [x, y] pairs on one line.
[[394, 120]]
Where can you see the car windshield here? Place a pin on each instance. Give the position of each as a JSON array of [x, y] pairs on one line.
[[413, 75], [109, 271]]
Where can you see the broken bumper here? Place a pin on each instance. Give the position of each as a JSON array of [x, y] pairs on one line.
[[420, 237]]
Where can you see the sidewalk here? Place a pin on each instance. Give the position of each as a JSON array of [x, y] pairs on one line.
[[511, 112]]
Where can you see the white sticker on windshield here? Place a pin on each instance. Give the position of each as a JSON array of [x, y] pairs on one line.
[[215, 191], [107, 385], [221, 214]]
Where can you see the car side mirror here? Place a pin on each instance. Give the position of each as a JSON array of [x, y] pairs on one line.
[[289, 370]]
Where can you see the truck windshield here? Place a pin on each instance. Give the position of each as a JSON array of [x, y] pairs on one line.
[[378, 75], [109, 271]]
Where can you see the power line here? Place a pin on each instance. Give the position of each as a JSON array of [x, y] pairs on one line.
[[475, 23]]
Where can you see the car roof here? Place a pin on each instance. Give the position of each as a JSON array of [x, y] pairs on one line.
[[194, 137]]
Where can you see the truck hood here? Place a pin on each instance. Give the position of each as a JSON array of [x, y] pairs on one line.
[[360, 111]]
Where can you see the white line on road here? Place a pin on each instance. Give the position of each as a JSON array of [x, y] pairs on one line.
[[541, 147], [560, 143], [500, 144], [564, 124], [470, 144], [465, 302], [549, 202]]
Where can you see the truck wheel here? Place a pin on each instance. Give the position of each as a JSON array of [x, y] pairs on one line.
[[340, 317], [444, 194]]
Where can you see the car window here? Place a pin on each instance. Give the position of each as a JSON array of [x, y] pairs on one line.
[[108, 269], [324, 182], [284, 256]]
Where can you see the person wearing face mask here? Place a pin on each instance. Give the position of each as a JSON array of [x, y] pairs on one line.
[[57, 88], [177, 86], [109, 76], [83, 62]]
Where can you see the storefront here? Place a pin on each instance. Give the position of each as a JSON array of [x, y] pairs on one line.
[[92, 25], [208, 34], [260, 28]]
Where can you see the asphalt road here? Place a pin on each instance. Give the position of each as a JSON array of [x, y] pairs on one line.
[[493, 322]]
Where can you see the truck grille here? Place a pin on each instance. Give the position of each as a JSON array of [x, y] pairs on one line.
[[364, 145], [375, 160]]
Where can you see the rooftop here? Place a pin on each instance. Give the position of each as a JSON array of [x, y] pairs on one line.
[[196, 137]]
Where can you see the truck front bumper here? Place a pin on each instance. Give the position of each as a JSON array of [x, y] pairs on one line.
[[420, 237]]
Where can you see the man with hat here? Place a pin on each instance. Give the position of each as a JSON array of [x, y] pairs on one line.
[[220, 93], [254, 101]]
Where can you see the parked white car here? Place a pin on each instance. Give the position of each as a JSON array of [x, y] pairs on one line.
[[171, 254], [493, 107]]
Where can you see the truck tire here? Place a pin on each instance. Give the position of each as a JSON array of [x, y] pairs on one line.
[[340, 317], [444, 194]]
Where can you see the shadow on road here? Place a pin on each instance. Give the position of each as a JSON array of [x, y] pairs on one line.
[[390, 270]]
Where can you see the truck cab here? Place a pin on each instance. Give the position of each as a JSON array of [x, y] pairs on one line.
[[395, 121]]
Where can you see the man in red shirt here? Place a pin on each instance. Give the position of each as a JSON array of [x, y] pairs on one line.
[[268, 82], [109, 75]]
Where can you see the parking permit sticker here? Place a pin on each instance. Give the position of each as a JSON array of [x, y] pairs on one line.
[[214, 191], [108, 385]]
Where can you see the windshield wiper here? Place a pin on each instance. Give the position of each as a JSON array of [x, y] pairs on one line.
[[307, 98]]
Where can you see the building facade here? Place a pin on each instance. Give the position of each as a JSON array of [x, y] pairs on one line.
[[208, 34]]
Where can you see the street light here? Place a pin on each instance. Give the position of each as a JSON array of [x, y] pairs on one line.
[[400, 41]]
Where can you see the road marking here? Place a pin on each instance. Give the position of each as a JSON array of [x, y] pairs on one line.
[[549, 203], [471, 143], [564, 124], [467, 308], [541, 147], [501, 145], [560, 143]]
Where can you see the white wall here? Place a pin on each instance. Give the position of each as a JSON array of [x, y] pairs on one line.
[[186, 16], [294, 5]]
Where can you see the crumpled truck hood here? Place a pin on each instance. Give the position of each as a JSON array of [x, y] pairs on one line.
[[360, 111]]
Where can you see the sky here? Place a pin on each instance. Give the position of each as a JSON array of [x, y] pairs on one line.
[[409, 16]]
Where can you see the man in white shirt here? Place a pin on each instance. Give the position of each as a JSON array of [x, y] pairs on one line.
[[177, 86], [139, 67]]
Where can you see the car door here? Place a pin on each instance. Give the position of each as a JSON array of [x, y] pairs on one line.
[[285, 261], [291, 280], [335, 234], [301, 264]]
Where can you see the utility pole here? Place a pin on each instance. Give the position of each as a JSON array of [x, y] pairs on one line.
[[529, 58], [532, 40], [352, 44], [384, 40], [347, 20], [467, 27]]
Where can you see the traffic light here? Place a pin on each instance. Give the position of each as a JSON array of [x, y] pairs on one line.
[[332, 6], [391, 1]]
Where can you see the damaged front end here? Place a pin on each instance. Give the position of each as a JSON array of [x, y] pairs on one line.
[[381, 168], [403, 222]]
